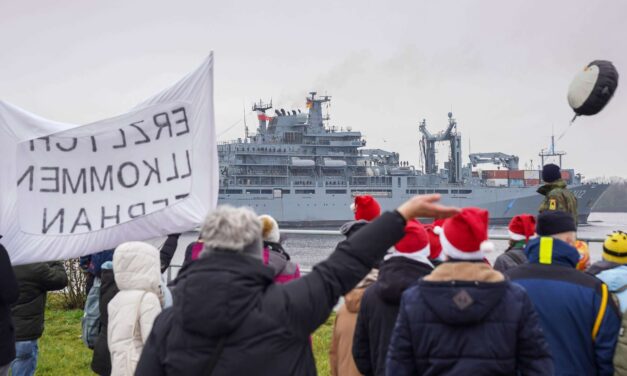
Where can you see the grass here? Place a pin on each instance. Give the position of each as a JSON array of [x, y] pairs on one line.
[[62, 352]]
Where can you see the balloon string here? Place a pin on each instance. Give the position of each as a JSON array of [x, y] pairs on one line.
[[566, 130]]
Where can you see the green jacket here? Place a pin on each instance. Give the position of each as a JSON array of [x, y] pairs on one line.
[[557, 197], [35, 280]]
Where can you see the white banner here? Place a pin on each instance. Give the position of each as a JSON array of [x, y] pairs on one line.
[[71, 190]]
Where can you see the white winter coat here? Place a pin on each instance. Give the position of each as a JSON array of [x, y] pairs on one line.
[[136, 268]]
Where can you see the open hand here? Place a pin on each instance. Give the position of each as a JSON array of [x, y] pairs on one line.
[[426, 206]]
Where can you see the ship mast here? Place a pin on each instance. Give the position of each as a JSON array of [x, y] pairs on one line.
[[550, 152]]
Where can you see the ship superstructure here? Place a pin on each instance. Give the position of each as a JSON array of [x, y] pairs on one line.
[[305, 172]]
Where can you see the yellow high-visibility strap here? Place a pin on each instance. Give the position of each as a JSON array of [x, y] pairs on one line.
[[597, 322], [546, 250]]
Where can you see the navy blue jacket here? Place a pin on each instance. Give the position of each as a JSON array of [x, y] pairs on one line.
[[468, 326], [581, 326]]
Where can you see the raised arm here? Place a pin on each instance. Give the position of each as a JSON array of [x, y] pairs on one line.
[[312, 297]]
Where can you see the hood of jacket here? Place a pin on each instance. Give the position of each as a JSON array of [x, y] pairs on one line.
[[351, 227], [615, 278], [548, 187], [463, 293], [214, 294], [136, 266], [396, 274], [560, 252]]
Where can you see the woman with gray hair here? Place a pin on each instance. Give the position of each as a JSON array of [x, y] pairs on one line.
[[230, 318]]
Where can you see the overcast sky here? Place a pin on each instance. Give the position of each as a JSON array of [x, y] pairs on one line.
[[502, 66]]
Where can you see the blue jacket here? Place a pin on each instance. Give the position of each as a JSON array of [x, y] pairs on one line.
[[466, 319], [579, 318], [616, 280]]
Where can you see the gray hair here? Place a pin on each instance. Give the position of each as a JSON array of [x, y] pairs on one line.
[[233, 229]]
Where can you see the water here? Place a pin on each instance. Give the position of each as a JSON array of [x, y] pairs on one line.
[[307, 250]]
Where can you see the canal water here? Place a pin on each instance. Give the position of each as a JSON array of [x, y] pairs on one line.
[[307, 250]]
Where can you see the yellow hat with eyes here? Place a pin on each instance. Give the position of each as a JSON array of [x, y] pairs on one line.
[[615, 248]]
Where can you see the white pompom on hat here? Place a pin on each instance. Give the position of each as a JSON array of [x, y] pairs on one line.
[[269, 229], [465, 236]]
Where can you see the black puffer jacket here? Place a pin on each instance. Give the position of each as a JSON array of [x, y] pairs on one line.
[[8, 296], [101, 361], [466, 319], [266, 325], [379, 308], [35, 280]]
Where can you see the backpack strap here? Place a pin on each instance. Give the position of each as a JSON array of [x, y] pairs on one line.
[[216, 356], [602, 308]]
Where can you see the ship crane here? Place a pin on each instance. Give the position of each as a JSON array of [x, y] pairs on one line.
[[450, 135], [501, 159]]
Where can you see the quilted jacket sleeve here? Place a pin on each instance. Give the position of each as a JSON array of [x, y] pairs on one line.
[[312, 297]]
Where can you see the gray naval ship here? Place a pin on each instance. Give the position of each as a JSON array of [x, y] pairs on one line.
[[305, 173]]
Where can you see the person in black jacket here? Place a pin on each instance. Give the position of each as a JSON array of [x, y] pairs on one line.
[[101, 360], [167, 250], [403, 267], [465, 318], [229, 317], [8, 296], [34, 280]]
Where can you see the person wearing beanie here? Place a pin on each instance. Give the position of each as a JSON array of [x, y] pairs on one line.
[[521, 228], [466, 318], [366, 208], [556, 195], [612, 270], [405, 263], [132, 311], [273, 253], [578, 317], [229, 316]]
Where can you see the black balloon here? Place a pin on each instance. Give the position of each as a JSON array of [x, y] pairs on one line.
[[593, 88]]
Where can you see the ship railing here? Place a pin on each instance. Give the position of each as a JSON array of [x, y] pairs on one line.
[[173, 269]]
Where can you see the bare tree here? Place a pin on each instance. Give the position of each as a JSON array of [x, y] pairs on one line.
[[73, 296]]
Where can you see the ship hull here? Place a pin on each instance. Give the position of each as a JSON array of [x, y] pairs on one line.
[[320, 209]]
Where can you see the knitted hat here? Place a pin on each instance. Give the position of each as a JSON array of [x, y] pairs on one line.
[[464, 236], [553, 222], [551, 173], [230, 229], [415, 240], [269, 229], [433, 230], [365, 207], [615, 248], [522, 227]]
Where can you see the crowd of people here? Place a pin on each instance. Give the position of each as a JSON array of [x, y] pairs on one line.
[[419, 299]]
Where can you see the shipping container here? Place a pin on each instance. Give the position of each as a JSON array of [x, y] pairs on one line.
[[475, 174], [516, 174], [532, 182], [516, 183], [495, 174], [532, 174], [496, 182]]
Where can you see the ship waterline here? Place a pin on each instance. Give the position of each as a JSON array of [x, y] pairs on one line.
[[317, 208]]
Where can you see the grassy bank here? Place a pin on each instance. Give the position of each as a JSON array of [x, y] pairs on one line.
[[61, 351]]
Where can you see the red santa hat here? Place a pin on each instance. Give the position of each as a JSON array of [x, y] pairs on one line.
[[433, 230], [416, 239], [522, 227], [464, 236], [365, 207]]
